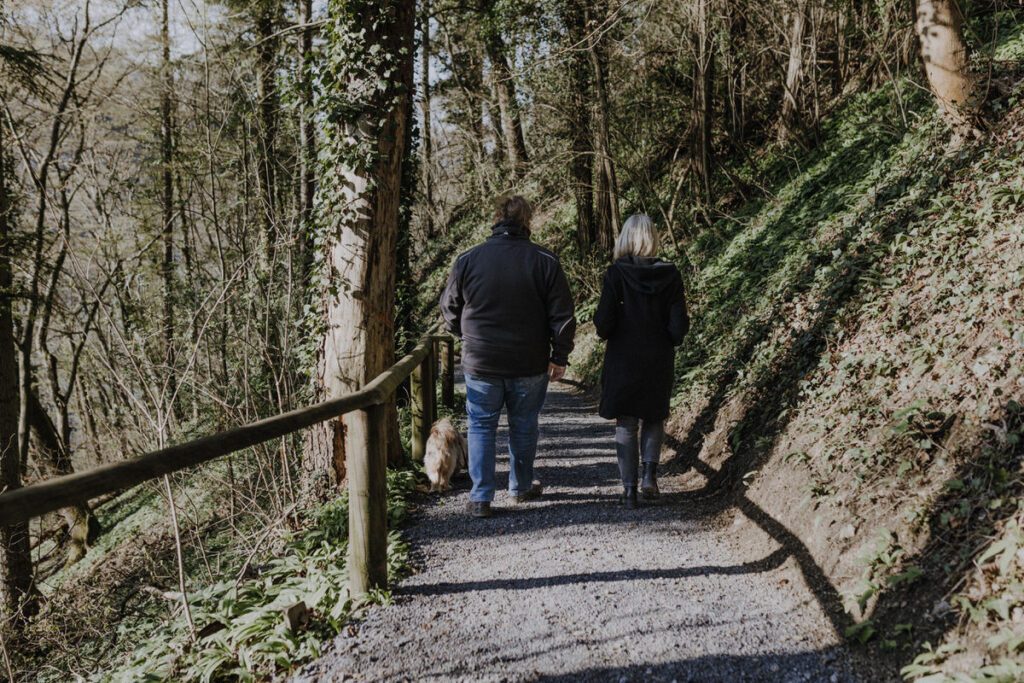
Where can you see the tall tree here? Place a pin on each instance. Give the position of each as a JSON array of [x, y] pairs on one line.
[[15, 557], [789, 121], [266, 17], [367, 77], [581, 163], [606, 191], [307, 131], [167, 200], [947, 60], [702, 104], [736, 75], [426, 141], [505, 89]]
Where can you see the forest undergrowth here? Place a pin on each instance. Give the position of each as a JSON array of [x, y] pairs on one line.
[[117, 615]]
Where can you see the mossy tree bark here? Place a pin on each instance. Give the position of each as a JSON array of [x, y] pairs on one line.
[[367, 75], [307, 130]]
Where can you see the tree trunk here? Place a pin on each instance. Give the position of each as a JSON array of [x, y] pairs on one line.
[[736, 78], [365, 145], [467, 61], [167, 204], [15, 557], [55, 460], [508, 103], [606, 196], [425, 138], [946, 59], [307, 180], [266, 21], [581, 164], [789, 121], [702, 105]]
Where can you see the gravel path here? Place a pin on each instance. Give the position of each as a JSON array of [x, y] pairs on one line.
[[574, 588]]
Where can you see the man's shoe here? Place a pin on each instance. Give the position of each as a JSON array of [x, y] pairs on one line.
[[649, 484], [533, 494], [629, 498], [479, 508]]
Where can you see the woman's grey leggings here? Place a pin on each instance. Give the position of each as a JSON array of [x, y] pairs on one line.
[[629, 449]]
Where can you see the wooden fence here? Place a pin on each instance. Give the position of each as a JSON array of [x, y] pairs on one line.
[[366, 467]]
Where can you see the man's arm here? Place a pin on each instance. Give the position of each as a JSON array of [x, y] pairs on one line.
[[561, 318], [452, 301]]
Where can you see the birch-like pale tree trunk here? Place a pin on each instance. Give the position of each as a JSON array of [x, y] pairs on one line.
[[946, 59], [789, 120]]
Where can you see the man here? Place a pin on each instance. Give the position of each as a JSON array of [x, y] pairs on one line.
[[509, 302]]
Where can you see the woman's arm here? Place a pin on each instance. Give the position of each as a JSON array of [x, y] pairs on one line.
[[606, 315], [678, 320]]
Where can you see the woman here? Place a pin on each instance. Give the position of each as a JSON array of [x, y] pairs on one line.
[[642, 315]]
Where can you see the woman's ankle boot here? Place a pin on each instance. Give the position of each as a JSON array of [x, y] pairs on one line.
[[629, 498], [649, 483]]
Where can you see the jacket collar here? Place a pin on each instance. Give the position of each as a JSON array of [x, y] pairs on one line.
[[514, 230]]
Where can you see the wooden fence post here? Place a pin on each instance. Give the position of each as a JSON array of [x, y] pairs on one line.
[[367, 502], [448, 374], [420, 424], [430, 386]]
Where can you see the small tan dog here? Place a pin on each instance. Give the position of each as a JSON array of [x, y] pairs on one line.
[[446, 454]]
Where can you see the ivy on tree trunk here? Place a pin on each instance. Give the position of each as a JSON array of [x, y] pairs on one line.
[[367, 82]]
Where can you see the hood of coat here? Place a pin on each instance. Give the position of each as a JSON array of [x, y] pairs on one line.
[[645, 275]]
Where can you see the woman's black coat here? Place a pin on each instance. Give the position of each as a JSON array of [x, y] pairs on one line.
[[642, 315]]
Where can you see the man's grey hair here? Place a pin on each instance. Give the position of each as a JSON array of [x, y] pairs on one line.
[[638, 237]]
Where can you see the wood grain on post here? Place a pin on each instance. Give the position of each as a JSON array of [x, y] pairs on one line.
[[419, 435], [367, 502], [448, 373]]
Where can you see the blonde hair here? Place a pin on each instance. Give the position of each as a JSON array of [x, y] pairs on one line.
[[638, 237]]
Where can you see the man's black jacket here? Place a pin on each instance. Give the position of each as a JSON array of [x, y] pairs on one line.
[[509, 302]]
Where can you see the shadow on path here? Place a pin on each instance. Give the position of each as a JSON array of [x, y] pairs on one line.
[[773, 561]]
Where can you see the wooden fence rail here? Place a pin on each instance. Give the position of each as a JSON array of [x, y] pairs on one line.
[[366, 467]]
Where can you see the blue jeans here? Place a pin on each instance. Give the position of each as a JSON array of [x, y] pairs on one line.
[[485, 397]]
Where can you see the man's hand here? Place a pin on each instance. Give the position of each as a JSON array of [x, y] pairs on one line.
[[555, 372]]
